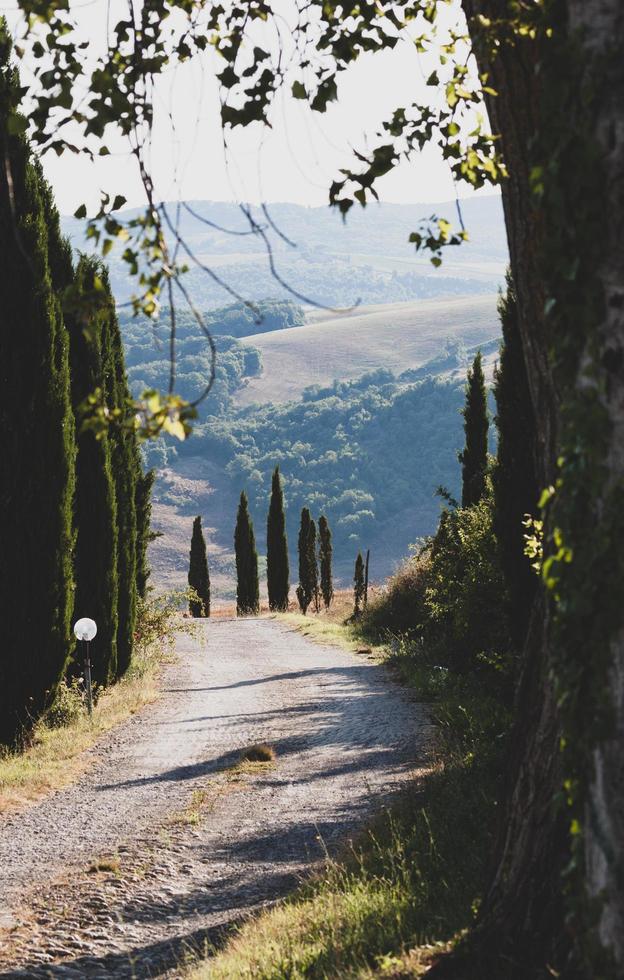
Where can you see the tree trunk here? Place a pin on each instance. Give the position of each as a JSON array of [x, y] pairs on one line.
[[534, 921]]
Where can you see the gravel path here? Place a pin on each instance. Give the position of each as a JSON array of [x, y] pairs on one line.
[[190, 845]]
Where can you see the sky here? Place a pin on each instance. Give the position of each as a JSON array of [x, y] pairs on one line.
[[294, 161]]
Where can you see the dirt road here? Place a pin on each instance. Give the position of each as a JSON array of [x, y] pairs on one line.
[[160, 846]]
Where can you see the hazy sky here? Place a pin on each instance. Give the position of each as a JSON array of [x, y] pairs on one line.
[[294, 161]]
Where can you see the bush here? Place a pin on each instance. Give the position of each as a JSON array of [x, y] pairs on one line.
[[446, 606], [68, 704], [400, 608], [466, 621]]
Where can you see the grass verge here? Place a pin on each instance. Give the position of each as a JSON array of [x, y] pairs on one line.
[[412, 882], [55, 755], [329, 625]]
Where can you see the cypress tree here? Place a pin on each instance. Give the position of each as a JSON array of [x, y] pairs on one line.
[[474, 455], [514, 475], [325, 561], [37, 481], [313, 567], [127, 472], [198, 574], [96, 555], [358, 585], [143, 507], [247, 588], [307, 562], [277, 548]]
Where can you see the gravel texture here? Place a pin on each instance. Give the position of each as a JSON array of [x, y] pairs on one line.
[[160, 846]]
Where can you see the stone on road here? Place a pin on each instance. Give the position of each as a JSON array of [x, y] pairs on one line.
[[160, 844]]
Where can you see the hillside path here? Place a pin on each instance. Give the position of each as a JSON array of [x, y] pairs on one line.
[[159, 846]]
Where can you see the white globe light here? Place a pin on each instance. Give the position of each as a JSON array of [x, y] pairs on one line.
[[85, 629]]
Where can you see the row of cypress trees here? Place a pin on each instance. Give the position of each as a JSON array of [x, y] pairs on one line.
[[278, 570], [74, 508], [312, 585]]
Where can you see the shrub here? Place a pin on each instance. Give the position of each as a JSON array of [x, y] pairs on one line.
[[258, 753], [68, 704], [400, 607]]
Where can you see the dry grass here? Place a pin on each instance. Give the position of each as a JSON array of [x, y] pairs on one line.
[[111, 864], [331, 625], [259, 753], [56, 757]]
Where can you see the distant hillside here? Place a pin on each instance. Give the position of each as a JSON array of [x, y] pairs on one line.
[[368, 451], [367, 258], [359, 406], [395, 336]]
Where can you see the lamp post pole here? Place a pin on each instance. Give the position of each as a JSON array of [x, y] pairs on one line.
[[85, 630], [87, 670]]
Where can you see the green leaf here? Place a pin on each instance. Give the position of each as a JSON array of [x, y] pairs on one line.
[[299, 91], [81, 212], [119, 202], [17, 125]]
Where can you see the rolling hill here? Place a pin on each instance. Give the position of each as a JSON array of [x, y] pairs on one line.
[[344, 346], [359, 405]]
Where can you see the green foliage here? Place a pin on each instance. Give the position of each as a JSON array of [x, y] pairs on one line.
[[37, 488], [335, 449], [247, 588], [143, 508], [307, 590], [401, 606], [513, 477], [325, 561], [450, 599], [198, 574], [68, 705], [467, 624], [127, 473], [474, 455], [277, 548], [96, 554], [358, 585], [149, 368]]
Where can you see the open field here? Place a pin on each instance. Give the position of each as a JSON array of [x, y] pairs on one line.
[[342, 346]]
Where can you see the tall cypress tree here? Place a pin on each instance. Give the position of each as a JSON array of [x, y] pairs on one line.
[[514, 475], [325, 561], [313, 567], [198, 574], [307, 590], [143, 506], [474, 455], [96, 561], [36, 420], [127, 472], [277, 548], [247, 588], [358, 585]]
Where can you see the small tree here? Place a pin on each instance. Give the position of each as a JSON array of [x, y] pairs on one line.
[[277, 549], [325, 561], [247, 589], [307, 590], [474, 455], [198, 574], [358, 585]]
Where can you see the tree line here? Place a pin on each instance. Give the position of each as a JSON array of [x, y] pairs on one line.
[[315, 560], [74, 501]]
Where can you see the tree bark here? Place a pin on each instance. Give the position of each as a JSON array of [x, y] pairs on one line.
[[521, 931]]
